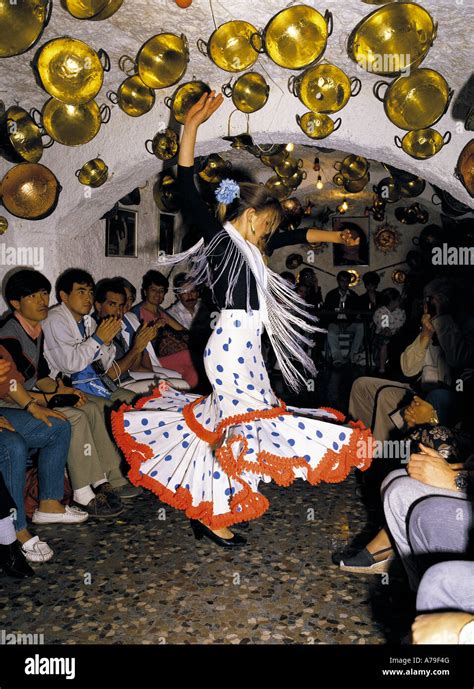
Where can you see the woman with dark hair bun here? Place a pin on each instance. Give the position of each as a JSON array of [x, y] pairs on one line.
[[207, 455]]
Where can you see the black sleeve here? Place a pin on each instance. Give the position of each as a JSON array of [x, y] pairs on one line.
[[279, 239], [43, 368], [193, 206]]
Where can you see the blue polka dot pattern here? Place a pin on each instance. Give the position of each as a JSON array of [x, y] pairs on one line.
[[168, 458], [342, 436], [220, 368], [319, 434], [241, 359], [216, 475]]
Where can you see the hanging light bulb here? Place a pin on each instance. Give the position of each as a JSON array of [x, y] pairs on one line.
[[290, 147], [319, 183], [343, 207]]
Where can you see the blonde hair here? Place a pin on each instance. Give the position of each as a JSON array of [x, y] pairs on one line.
[[254, 196]]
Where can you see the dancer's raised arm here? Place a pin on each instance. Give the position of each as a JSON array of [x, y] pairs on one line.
[[199, 113]]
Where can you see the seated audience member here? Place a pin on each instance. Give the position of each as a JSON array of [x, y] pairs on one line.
[[437, 441], [76, 346], [389, 318], [438, 356], [130, 291], [149, 366], [172, 342], [343, 305], [308, 278], [371, 299], [29, 426], [27, 293], [109, 301], [187, 303]]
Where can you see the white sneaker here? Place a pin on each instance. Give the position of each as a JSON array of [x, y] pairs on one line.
[[36, 550], [71, 515]]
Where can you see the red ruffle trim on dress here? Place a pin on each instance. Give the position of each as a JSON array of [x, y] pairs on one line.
[[252, 505]]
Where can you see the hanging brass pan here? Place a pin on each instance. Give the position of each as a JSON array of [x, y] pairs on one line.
[[393, 39], [71, 125], [30, 191], [415, 101], [85, 9], [93, 173], [324, 88], [161, 61], [133, 97], [20, 137], [422, 143], [229, 46], [249, 93], [317, 126], [22, 23], [295, 37], [70, 70]]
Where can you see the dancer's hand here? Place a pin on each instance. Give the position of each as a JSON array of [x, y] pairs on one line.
[[203, 109], [348, 239]]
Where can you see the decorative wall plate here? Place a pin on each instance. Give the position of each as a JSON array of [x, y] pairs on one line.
[[387, 238]]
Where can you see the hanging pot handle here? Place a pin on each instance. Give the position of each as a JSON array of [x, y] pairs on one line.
[[259, 48], [123, 61], [329, 21], [298, 119], [377, 86], [450, 96], [447, 138], [293, 85], [435, 203], [104, 113], [104, 59], [186, 46], [78, 172], [338, 165], [149, 141], [50, 142], [398, 142], [37, 117], [48, 13], [337, 124], [435, 33], [356, 86], [2, 108], [168, 101], [304, 174], [202, 47], [112, 96], [227, 89], [300, 164]]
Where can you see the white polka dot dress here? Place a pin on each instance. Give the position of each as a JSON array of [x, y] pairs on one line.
[[207, 455]]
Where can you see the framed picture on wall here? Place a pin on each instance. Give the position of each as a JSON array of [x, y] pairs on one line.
[[121, 234], [352, 255], [166, 242]]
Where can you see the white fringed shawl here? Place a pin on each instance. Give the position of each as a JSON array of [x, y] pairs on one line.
[[284, 313]]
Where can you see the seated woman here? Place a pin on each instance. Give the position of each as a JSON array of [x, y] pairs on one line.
[[438, 441], [171, 343], [33, 426]]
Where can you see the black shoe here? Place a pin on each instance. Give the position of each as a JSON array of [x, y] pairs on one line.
[[113, 498], [201, 531], [13, 561]]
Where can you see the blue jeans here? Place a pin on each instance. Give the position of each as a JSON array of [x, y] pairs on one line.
[[53, 444]]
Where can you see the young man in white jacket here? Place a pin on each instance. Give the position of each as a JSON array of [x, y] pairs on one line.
[[73, 344]]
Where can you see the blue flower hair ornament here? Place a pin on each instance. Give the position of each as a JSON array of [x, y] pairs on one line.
[[227, 191]]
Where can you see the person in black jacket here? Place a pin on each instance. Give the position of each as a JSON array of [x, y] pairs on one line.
[[341, 308]]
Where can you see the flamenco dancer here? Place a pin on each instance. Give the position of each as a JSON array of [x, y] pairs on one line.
[[207, 455]]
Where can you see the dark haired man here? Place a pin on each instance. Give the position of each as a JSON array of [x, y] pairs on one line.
[[76, 347], [187, 303], [341, 307]]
